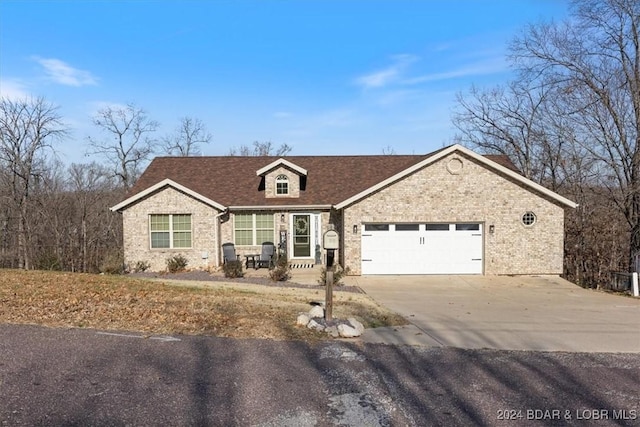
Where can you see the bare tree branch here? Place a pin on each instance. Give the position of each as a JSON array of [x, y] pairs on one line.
[[27, 129], [129, 143], [261, 149], [186, 139]]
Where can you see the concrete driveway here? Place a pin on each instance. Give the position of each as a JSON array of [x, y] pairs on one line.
[[513, 313]]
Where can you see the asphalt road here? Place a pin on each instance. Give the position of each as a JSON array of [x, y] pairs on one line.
[[58, 377]]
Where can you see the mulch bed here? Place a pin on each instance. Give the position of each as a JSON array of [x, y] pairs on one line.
[[203, 276]]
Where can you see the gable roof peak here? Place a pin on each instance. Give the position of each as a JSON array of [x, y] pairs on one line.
[[281, 162]]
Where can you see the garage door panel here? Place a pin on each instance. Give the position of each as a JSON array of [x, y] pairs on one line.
[[431, 249]]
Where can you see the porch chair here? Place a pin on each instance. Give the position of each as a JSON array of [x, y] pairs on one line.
[[267, 256], [229, 253]]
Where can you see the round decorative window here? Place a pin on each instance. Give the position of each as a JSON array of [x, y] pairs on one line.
[[529, 218], [455, 166]]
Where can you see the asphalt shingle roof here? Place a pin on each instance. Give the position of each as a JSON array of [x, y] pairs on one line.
[[232, 180]]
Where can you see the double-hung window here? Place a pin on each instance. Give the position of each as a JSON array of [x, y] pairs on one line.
[[253, 229], [282, 185], [170, 231]]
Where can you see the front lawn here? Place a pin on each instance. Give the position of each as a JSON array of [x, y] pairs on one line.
[[59, 299]]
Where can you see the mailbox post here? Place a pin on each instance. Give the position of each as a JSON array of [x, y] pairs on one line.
[[330, 242]]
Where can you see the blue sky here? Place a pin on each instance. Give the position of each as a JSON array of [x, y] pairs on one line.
[[326, 77]]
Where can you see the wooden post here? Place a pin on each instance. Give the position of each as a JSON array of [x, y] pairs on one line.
[[330, 242], [328, 299]]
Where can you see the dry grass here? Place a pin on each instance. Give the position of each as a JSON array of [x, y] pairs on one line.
[[120, 303]]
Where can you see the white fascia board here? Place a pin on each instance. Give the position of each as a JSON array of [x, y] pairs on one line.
[[164, 183], [482, 159], [281, 207], [279, 162]]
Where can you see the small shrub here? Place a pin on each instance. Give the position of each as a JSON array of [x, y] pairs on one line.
[[233, 269], [141, 267], [338, 274], [112, 263], [282, 271], [176, 263]]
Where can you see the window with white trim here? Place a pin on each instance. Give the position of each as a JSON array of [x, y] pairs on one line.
[[170, 231], [253, 229], [282, 185]]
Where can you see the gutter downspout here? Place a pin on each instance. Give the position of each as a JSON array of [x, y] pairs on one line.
[[218, 232]]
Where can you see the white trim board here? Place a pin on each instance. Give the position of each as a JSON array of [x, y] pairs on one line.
[[166, 183], [281, 161]]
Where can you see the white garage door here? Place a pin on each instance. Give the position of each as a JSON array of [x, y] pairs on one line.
[[422, 248]]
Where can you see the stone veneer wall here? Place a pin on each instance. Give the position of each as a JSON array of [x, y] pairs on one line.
[[137, 246], [463, 190], [270, 183]]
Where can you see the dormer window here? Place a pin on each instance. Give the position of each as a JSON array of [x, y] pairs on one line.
[[282, 185]]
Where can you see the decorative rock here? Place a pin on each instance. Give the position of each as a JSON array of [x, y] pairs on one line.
[[347, 331], [333, 331], [316, 311], [356, 325], [315, 325], [303, 319]]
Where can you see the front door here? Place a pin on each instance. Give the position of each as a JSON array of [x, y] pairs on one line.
[[301, 232]]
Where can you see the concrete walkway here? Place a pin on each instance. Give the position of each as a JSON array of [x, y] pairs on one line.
[[543, 313]]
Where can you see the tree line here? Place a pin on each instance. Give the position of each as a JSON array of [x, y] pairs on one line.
[[54, 216], [569, 120]]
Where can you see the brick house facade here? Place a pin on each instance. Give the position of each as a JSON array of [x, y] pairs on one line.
[[422, 213]]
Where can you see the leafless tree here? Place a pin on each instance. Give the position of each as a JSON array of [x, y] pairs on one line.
[[187, 137], [27, 130], [261, 149], [94, 191], [388, 151], [129, 141], [594, 60], [571, 120], [514, 121]]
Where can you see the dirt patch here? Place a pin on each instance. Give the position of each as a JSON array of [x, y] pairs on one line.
[[170, 306]]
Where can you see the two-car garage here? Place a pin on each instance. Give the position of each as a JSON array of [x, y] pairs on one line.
[[422, 248]]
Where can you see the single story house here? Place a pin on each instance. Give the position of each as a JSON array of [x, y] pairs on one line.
[[452, 211]]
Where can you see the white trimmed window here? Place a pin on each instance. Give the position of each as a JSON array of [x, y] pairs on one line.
[[253, 229], [282, 185], [170, 231]]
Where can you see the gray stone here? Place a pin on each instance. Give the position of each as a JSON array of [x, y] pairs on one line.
[[347, 331], [333, 331], [303, 319], [356, 325], [315, 325], [316, 311]]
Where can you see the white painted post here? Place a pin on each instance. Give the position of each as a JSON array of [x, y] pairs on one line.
[[634, 282]]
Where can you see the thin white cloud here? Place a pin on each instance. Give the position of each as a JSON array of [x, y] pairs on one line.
[[486, 67], [282, 115], [62, 73], [387, 75], [13, 89], [320, 122]]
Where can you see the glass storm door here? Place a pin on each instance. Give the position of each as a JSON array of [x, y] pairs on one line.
[[301, 232]]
